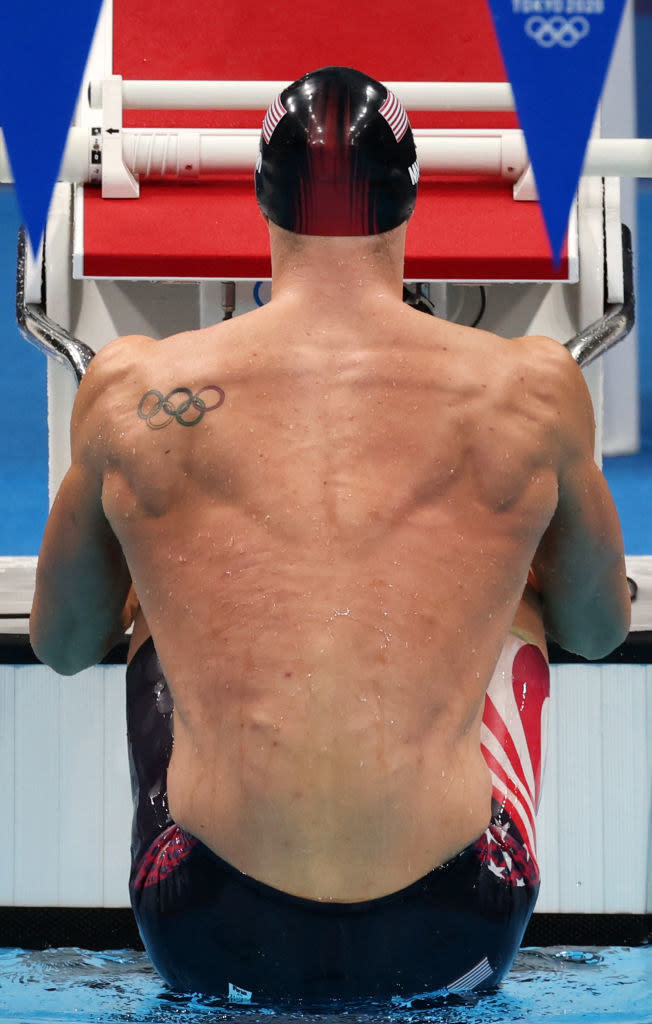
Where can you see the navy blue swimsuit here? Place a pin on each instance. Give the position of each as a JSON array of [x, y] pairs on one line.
[[210, 928]]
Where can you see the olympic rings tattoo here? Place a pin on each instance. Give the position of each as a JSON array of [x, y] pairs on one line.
[[158, 411], [548, 32]]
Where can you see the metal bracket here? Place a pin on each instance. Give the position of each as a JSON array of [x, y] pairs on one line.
[[618, 319], [525, 189], [117, 180], [37, 327]]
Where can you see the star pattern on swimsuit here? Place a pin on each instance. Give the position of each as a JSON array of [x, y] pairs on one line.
[[506, 857], [164, 855]]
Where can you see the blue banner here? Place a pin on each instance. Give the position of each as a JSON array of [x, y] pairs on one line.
[[557, 54], [44, 46]]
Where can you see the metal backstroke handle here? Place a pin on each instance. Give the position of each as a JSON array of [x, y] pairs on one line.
[[37, 327], [618, 319]]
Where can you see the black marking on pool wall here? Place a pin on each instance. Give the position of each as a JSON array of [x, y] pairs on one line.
[[15, 649], [55, 927], [115, 928], [588, 930]]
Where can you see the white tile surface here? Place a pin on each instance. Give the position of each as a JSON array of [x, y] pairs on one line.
[[37, 782], [7, 776]]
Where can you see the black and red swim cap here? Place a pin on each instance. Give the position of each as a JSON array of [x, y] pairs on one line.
[[337, 157]]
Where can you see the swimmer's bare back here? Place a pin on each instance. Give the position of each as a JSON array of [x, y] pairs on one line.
[[329, 547]]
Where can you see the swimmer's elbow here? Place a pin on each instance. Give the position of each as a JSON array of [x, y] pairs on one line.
[[64, 663], [68, 652], [610, 637], [596, 647], [60, 666], [593, 631], [56, 655]]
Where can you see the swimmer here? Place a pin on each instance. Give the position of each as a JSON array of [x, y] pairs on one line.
[[349, 526]]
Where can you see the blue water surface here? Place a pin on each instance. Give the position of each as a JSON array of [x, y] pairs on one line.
[[551, 986]]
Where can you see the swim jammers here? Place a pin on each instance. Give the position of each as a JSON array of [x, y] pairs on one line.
[[210, 928]]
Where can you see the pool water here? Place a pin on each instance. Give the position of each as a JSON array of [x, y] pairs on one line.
[[75, 986]]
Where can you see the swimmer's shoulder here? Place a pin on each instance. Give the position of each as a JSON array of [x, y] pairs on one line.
[[546, 356], [115, 363], [549, 366], [538, 366], [552, 382], [116, 370], [538, 375]]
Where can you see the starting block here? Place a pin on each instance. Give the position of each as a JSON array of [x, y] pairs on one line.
[[466, 227]]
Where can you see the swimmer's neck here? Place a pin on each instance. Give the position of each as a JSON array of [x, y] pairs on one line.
[[344, 272]]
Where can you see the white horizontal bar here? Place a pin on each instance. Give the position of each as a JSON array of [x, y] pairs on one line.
[[156, 153], [187, 153], [627, 158], [235, 95]]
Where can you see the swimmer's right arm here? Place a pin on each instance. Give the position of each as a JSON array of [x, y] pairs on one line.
[[84, 598], [580, 563]]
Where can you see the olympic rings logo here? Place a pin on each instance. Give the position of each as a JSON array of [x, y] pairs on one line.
[[158, 411], [557, 31]]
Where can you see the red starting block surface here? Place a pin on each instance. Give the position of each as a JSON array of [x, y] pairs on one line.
[[463, 228]]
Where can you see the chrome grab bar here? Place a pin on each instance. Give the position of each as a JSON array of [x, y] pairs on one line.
[[38, 328], [618, 318]]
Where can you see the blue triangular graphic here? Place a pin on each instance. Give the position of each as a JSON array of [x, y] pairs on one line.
[[557, 54], [43, 51]]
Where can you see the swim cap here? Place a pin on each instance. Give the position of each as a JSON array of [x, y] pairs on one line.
[[337, 157]]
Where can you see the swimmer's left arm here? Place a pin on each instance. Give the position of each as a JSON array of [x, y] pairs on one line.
[[83, 585]]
